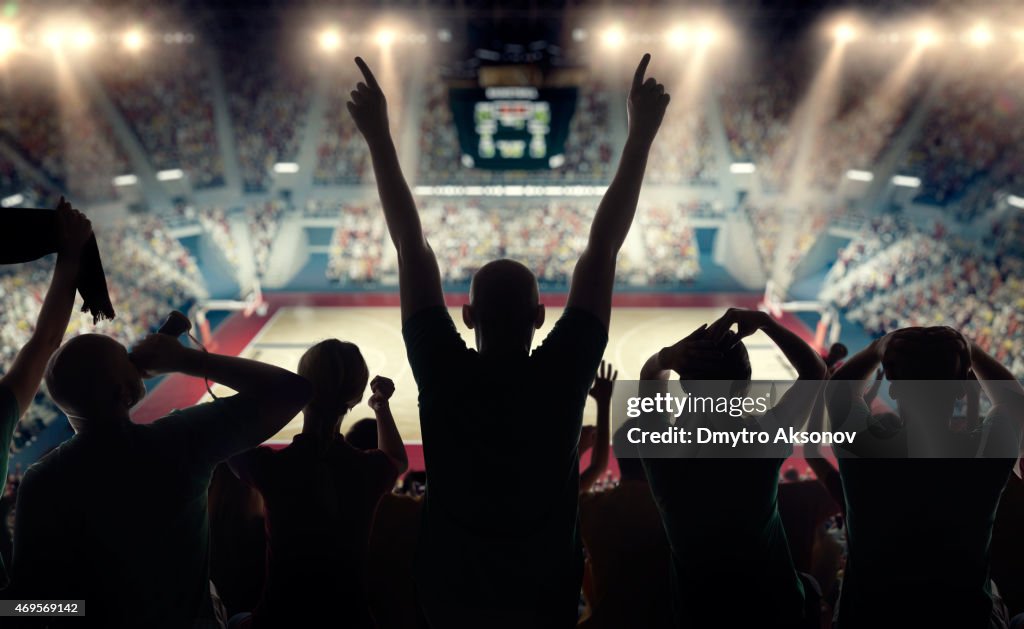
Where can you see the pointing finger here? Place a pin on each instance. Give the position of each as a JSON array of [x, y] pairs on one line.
[[641, 70], [367, 74]]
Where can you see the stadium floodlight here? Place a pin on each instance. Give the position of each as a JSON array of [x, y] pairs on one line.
[[906, 181], [329, 40], [926, 37], [133, 40], [53, 38], [384, 37], [8, 39], [980, 36], [844, 32], [125, 180], [84, 38], [12, 201], [678, 37], [1015, 201], [613, 37], [707, 36], [286, 167], [859, 175], [172, 174], [742, 168]]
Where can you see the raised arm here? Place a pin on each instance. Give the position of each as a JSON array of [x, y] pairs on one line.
[[602, 391], [872, 392], [389, 441], [277, 394], [27, 369], [594, 276], [419, 278], [848, 381], [795, 405], [999, 385]]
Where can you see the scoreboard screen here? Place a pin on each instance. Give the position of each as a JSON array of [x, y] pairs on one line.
[[513, 128]]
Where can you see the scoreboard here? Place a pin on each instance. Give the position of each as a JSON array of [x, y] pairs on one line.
[[512, 128]]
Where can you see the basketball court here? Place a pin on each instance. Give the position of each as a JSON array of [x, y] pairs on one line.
[[291, 326]]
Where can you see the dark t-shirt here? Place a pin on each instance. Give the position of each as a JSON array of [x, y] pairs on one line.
[[805, 507], [319, 508], [9, 414], [117, 517], [731, 559], [500, 530], [629, 558], [919, 530]]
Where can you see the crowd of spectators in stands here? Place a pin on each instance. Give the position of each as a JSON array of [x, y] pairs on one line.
[[774, 220], [970, 145], [896, 275], [30, 118], [269, 98], [168, 101], [341, 158], [354, 255], [264, 221], [684, 154], [544, 235]]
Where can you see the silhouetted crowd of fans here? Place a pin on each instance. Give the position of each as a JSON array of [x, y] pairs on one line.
[[162, 525]]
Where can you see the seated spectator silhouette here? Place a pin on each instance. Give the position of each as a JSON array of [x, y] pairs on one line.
[[19, 384], [510, 558], [628, 560], [731, 561], [922, 496], [117, 515], [320, 495]]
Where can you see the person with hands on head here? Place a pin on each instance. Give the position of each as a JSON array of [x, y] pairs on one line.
[[927, 471], [320, 495], [117, 515], [513, 557], [599, 438], [19, 384], [731, 562]]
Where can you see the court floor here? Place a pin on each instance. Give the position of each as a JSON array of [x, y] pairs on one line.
[[634, 335]]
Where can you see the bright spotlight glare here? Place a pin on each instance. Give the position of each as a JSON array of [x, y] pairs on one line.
[[844, 33], [329, 40], [134, 40], [385, 37], [926, 37], [613, 37], [84, 39], [53, 38], [8, 39], [980, 36], [707, 36], [678, 37]]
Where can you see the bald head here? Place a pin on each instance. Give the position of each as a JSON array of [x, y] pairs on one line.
[[504, 304], [90, 377]]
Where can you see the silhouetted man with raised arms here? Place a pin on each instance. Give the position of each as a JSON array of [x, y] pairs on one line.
[[514, 557]]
